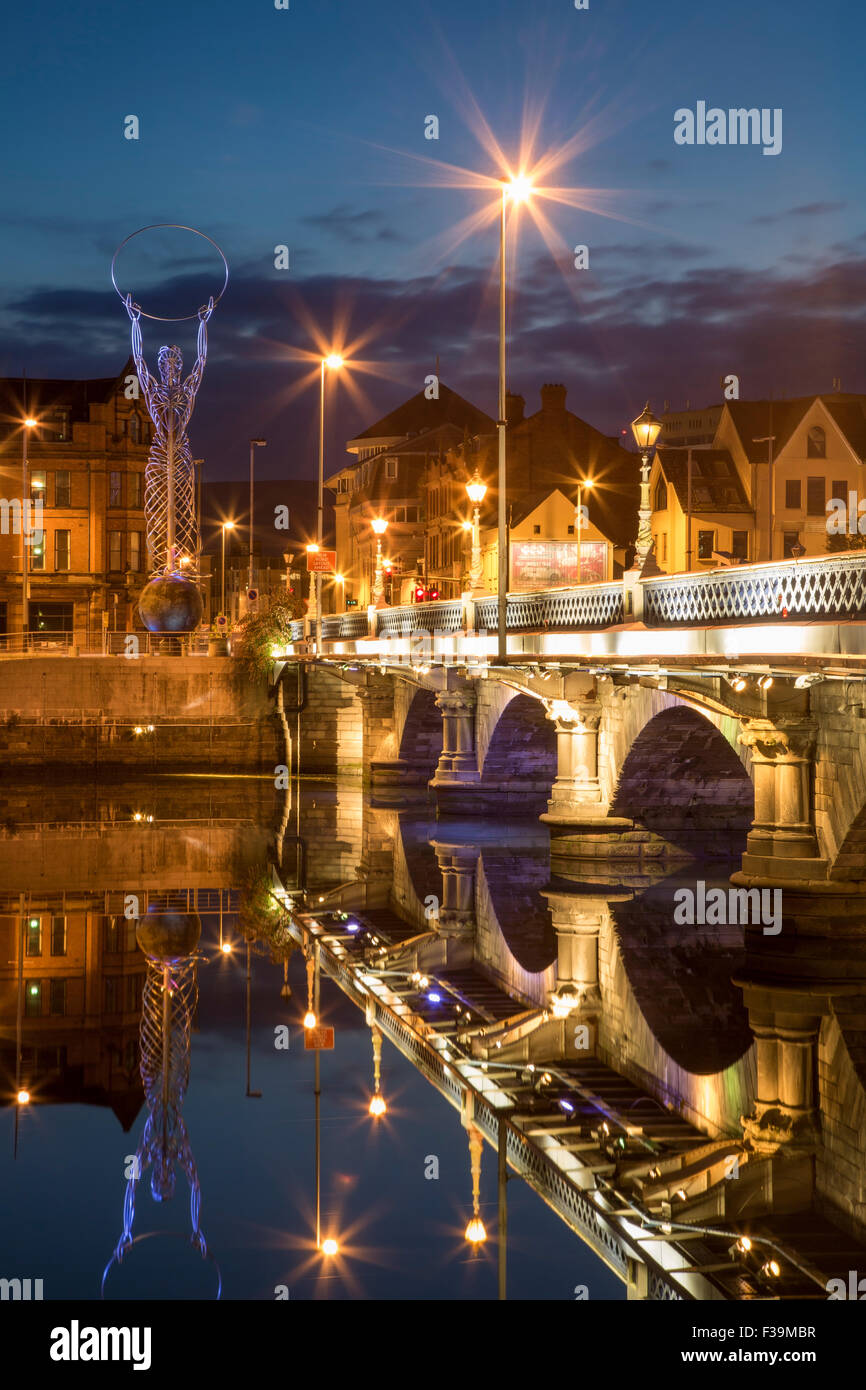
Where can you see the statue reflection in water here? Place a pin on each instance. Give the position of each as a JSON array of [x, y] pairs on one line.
[[169, 941]]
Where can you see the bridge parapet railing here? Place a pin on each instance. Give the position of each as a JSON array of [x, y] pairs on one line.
[[337, 626], [444, 615], [826, 586], [576, 609]]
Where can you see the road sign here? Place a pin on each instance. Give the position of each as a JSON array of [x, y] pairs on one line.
[[351, 603], [319, 1039], [252, 595], [321, 561]]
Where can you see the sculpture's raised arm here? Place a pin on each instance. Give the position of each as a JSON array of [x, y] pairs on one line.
[[193, 381], [145, 380]]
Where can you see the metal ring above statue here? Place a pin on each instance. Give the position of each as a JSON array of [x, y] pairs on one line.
[[180, 227]]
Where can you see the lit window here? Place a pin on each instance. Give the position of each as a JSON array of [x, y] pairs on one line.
[[37, 550], [33, 936], [33, 999], [38, 484]]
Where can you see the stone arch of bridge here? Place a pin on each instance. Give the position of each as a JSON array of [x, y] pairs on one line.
[[517, 749], [419, 726], [681, 779]]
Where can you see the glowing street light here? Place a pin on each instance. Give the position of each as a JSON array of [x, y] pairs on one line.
[[226, 526], [332, 362], [330, 1247], [380, 526], [476, 490], [377, 1104], [646, 429], [518, 188], [582, 483], [476, 1233], [28, 424], [23, 1097]]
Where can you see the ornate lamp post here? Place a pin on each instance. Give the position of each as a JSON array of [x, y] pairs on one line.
[[380, 526], [646, 429], [254, 444], [578, 516], [476, 489], [333, 362]]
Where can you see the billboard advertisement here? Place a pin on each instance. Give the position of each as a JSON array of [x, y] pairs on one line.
[[549, 564]]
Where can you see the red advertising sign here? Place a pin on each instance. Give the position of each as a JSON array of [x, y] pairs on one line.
[[548, 564], [321, 561], [319, 1039]]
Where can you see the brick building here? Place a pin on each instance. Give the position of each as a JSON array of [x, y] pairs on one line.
[[87, 562]]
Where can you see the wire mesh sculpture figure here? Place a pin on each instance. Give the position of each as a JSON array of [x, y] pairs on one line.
[[169, 478], [170, 602], [168, 1006]]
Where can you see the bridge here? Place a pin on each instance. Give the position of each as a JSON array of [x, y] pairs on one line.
[[660, 732]]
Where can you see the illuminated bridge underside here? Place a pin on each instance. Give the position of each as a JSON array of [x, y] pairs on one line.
[[606, 1156]]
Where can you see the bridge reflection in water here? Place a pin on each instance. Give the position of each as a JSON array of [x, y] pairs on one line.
[[675, 1092], [688, 1099]]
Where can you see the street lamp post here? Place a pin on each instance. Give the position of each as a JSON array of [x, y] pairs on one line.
[[334, 361], [519, 189], [646, 429], [476, 490], [583, 483], [226, 526], [380, 526], [254, 444], [29, 424]]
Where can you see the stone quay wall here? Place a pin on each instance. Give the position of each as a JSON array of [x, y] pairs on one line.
[[197, 714]]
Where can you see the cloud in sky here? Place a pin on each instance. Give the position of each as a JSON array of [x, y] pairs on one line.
[[635, 325]]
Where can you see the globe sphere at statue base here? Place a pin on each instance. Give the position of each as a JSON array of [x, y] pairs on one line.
[[170, 604], [168, 935]]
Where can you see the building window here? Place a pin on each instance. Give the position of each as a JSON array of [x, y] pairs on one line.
[[663, 547], [113, 940], [37, 550], [62, 550], [412, 514], [62, 488], [112, 993], [571, 530], [134, 489], [114, 488], [740, 545], [840, 490], [33, 936], [816, 443], [706, 544], [536, 530], [134, 543], [391, 468], [792, 494], [135, 429], [815, 494], [661, 496], [38, 485], [57, 997], [789, 540], [115, 542], [33, 999], [58, 936]]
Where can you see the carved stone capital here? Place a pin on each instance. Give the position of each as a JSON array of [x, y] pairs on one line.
[[779, 740], [456, 701], [577, 717]]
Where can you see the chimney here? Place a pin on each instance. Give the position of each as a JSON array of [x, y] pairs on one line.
[[553, 396], [513, 408]]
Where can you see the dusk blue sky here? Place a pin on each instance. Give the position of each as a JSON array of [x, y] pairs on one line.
[[306, 128]]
